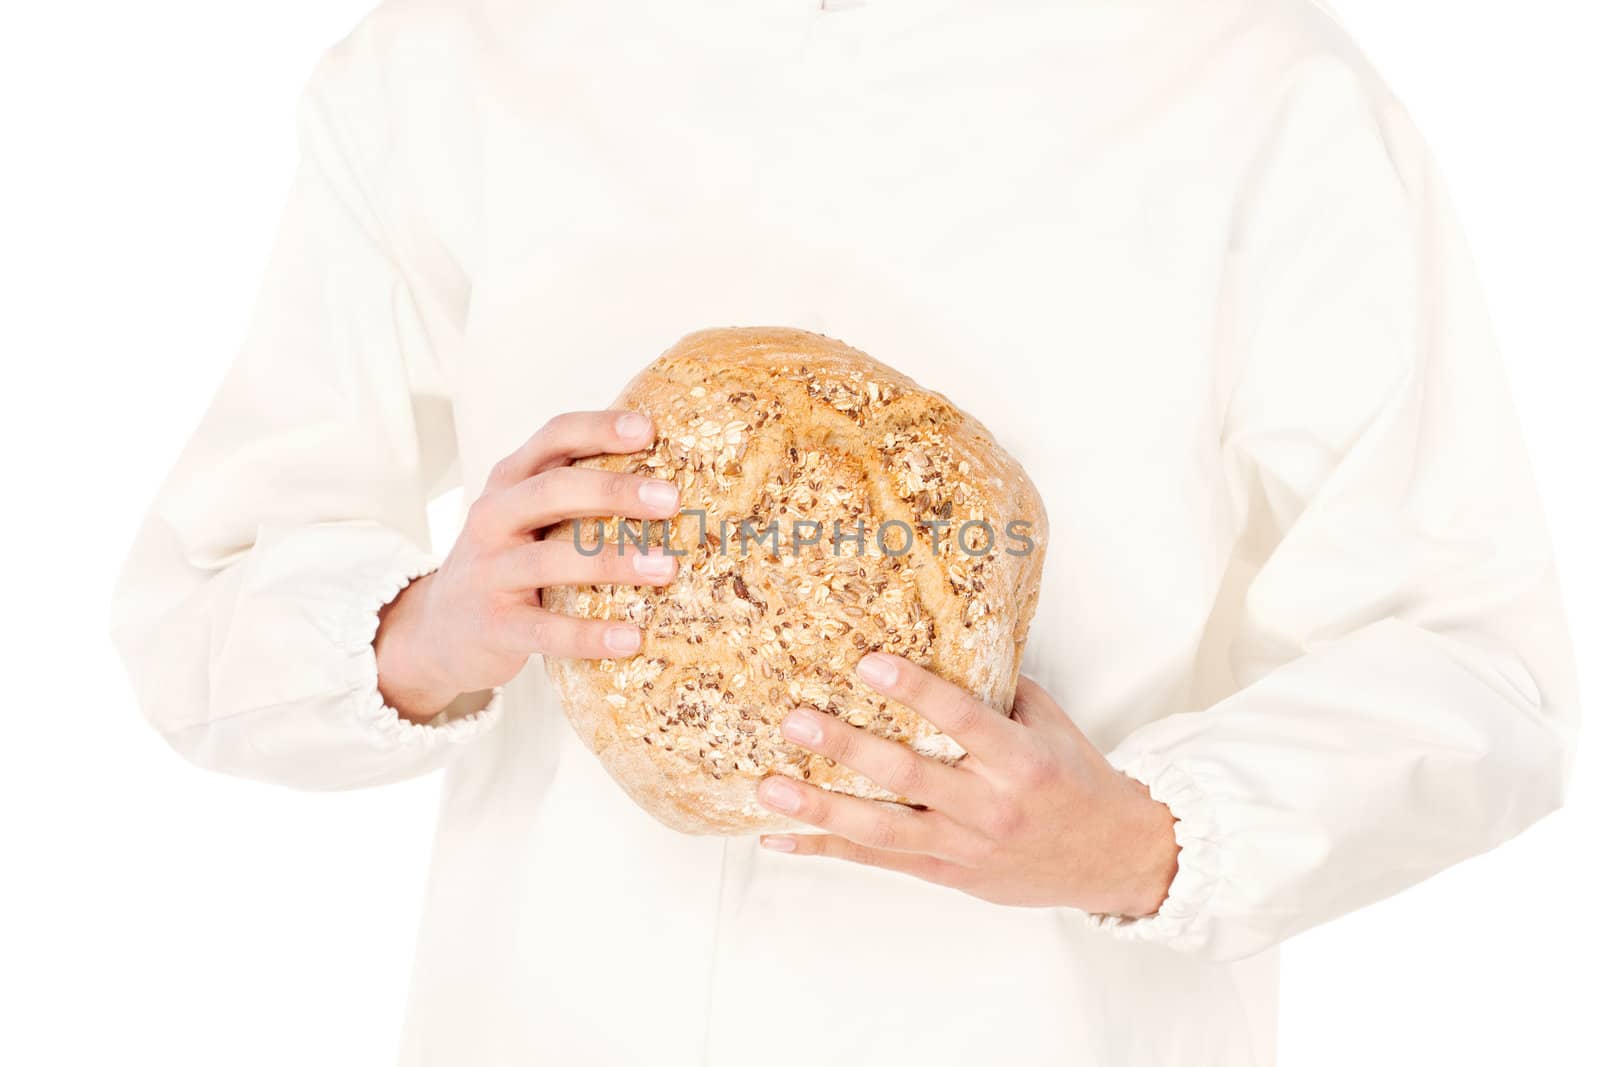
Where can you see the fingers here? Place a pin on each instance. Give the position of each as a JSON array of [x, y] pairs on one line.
[[874, 824], [574, 493], [985, 733], [928, 868], [537, 630], [541, 564], [893, 765], [572, 436]]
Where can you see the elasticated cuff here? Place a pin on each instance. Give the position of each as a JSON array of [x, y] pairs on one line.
[[1179, 922], [456, 724]]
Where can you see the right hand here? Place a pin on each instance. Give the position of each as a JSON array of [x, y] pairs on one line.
[[472, 624]]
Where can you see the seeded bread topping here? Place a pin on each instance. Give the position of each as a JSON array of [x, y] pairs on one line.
[[829, 508]]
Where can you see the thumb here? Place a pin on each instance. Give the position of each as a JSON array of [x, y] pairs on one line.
[[1036, 709]]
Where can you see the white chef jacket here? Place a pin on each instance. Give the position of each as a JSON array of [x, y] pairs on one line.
[[1188, 259]]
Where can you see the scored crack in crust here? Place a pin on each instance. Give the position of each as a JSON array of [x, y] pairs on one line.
[[778, 428]]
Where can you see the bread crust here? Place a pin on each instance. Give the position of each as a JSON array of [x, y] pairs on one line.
[[783, 426]]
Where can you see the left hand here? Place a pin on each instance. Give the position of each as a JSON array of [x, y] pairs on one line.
[[1033, 815]]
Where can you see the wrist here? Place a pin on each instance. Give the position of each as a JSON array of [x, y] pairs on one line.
[[1152, 854], [408, 680]]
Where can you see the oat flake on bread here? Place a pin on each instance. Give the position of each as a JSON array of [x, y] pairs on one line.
[[778, 429]]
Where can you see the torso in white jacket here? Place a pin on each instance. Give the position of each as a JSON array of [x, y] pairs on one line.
[[1188, 260]]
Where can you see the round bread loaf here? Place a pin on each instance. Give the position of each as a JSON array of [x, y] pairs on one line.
[[829, 508]]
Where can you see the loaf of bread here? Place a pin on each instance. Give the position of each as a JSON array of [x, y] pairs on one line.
[[829, 508]]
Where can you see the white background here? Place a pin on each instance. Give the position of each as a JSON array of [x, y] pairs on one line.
[[152, 910]]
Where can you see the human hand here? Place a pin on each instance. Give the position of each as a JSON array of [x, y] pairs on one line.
[[1033, 815], [472, 624]]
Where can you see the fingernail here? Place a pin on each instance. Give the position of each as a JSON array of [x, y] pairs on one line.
[[659, 496], [780, 794], [654, 566], [779, 843], [632, 426], [878, 670], [803, 728], [624, 639]]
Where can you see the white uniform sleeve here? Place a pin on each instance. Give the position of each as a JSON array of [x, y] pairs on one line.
[[246, 611], [1402, 688]]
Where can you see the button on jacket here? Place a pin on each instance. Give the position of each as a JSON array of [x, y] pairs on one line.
[[1188, 259]]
